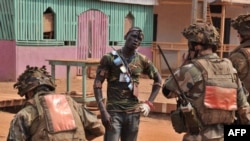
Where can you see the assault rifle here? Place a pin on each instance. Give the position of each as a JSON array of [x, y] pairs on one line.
[[191, 121], [182, 97]]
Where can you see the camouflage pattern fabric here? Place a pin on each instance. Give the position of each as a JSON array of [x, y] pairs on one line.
[[242, 24], [119, 96], [241, 63], [191, 82], [28, 125], [20, 125], [205, 34], [33, 77]]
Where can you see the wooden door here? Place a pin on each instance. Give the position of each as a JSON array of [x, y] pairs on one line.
[[92, 35]]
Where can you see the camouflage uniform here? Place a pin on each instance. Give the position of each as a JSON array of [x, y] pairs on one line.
[[205, 123], [24, 125], [239, 59], [119, 97], [49, 116], [189, 76]]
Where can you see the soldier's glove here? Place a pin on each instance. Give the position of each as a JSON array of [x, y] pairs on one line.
[[146, 107]]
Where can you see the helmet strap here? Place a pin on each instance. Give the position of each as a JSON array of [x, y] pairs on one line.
[[29, 95], [196, 52]]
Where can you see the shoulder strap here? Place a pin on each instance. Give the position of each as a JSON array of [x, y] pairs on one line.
[[212, 68], [243, 45], [246, 52], [39, 107], [38, 103], [198, 63]]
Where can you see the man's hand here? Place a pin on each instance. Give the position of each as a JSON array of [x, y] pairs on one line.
[[106, 120], [145, 109]]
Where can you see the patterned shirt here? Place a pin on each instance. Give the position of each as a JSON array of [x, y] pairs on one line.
[[119, 96]]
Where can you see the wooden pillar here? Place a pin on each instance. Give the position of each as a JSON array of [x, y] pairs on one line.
[[204, 10], [222, 26], [199, 11], [194, 11]]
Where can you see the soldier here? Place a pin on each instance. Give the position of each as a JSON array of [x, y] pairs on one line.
[[203, 86], [240, 56], [122, 69], [49, 116]]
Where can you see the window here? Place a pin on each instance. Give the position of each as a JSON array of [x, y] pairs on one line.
[[69, 43], [155, 23], [113, 43], [215, 9], [48, 24], [217, 24]]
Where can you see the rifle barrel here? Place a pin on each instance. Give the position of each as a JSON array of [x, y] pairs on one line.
[[177, 84]]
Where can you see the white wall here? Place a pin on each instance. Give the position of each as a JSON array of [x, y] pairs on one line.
[[172, 19]]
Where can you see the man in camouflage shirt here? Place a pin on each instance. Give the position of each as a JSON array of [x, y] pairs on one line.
[[204, 86], [47, 116], [240, 56], [122, 69]]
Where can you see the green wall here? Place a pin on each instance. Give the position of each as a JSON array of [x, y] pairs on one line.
[[28, 15], [7, 20], [117, 12]]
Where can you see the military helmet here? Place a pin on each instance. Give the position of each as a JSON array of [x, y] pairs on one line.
[[242, 24], [205, 34], [33, 77]]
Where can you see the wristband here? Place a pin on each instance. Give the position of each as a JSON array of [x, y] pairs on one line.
[[150, 104]]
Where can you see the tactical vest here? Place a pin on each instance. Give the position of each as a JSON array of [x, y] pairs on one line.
[[219, 102], [57, 119], [244, 49], [246, 80]]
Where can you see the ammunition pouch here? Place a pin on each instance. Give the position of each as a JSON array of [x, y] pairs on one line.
[[192, 122], [185, 121], [178, 121]]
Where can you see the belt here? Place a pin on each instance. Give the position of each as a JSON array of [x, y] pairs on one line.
[[136, 110]]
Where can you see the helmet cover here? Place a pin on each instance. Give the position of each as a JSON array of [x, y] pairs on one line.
[[242, 24], [33, 77], [203, 33]]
